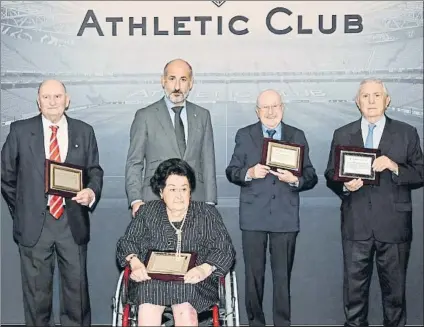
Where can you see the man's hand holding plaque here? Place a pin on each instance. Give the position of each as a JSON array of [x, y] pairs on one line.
[[283, 155], [357, 163], [84, 197], [285, 176], [354, 185], [383, 162], [63, 179], [258, 171]]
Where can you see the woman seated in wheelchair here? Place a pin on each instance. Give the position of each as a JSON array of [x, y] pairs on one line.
[[176, 223]]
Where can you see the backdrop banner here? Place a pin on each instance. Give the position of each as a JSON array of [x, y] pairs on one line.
[[111, 54]]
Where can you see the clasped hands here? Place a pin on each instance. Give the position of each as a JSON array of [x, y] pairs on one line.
[[379, 164], [193, 276], [260, 171]]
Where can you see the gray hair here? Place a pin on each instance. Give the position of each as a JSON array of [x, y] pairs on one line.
[[372, 80]]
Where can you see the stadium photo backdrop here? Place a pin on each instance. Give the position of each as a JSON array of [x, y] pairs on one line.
[[110, 55]]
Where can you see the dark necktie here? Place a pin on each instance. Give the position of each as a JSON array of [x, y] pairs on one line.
[[271, 133], [179, 130]]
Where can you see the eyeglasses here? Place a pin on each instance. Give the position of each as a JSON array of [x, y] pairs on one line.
[[273, 107]]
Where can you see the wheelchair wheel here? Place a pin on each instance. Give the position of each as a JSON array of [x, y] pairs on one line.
[[229, 301], [230, 306], [123, 312]]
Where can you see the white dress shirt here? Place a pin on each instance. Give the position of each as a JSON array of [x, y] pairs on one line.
[[62, 136]]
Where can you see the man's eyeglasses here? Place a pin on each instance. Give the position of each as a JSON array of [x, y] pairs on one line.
[[273, 107]]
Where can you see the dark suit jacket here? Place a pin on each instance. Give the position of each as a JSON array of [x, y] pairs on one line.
[[383, 211], [153, 141], [22, 177], [268, 204]]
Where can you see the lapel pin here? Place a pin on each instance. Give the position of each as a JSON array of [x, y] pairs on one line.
[[76, 145]]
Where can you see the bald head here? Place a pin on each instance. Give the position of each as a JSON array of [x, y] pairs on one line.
[[178, 64], [52, 100], [268, 96], [51, 83], [269, 108]]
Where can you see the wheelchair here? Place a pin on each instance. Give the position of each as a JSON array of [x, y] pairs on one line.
[[223, 313]]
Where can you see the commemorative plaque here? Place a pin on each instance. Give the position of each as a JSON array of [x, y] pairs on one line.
[[356, 162], [63, 179], [284, 155], [169, 266]]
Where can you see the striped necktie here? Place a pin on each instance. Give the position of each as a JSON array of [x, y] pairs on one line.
[[56, 202]]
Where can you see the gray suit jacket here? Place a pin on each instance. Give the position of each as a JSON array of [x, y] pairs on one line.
[[152, 141], [268, 204]]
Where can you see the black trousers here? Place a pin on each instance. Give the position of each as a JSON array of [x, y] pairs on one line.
[[37, 268], [392, 262], [281, 249]]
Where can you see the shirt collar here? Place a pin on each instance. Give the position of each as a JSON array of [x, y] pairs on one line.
[[62, 123], [378, 124], [170, 105], [277, 128]]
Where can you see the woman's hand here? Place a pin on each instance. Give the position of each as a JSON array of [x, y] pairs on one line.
[[138, 270], [198, 274]]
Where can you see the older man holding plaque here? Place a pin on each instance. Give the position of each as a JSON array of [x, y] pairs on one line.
[[374, 163], [176, 248], [51, 179], [271, 164]]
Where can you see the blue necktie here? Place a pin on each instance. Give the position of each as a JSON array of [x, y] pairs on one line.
[[369, 141], [271, 132]]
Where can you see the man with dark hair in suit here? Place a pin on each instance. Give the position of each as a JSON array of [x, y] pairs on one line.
[[377, 220], [46, 226], [269, 207], [171, 128]]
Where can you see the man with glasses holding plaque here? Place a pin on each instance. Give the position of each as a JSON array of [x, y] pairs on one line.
[[51, 179], [373, 165], [271, 164]]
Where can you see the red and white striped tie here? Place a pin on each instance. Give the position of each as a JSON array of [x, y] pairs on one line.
[[56, 202]]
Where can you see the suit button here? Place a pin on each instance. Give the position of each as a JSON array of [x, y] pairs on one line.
[[43, 213], [273, 196], [273, 182]]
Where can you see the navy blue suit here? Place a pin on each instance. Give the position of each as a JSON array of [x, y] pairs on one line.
[[268, 207]]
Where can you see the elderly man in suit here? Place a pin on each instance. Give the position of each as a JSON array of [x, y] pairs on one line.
[[171, 128], [46, 226], [377, 220], [269, 207]]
